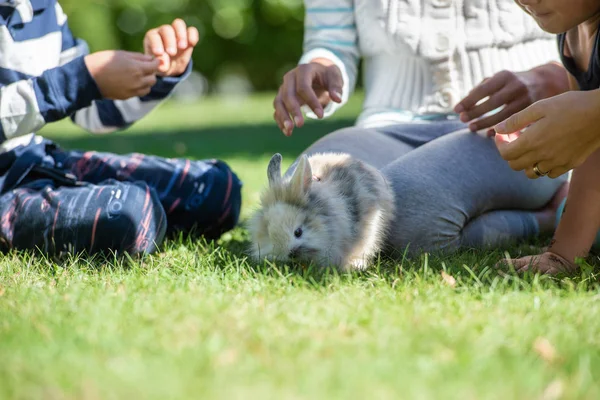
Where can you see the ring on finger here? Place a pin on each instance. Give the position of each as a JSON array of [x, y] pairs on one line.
[[537, 171]]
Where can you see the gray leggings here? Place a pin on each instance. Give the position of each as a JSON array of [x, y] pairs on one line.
[[452, 187]]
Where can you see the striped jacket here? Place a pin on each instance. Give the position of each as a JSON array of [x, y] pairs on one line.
[[43, 76]]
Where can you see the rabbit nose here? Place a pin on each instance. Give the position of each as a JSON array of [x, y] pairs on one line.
[[293, 253]]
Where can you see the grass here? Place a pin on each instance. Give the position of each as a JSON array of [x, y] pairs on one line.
[[199, 321]]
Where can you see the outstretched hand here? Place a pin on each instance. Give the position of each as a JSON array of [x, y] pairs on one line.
[[314, 84], [510, 92]]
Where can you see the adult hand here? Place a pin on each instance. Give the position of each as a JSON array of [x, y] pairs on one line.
[[513, 91], [121, 75], [314, 84], [172, 45], [561, 133]]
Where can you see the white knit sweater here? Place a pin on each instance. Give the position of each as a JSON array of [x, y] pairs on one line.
[[420, 57]]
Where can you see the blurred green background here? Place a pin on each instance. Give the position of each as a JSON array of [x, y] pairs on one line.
[[245, 45]]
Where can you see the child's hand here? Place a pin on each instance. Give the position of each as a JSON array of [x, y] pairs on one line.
[[172, 45], [121, 75], [564, 131]]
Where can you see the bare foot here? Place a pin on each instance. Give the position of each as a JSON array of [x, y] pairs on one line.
[[547, 263], [546, 217]]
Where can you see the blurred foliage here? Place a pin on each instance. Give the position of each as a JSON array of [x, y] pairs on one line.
[[256, 40]]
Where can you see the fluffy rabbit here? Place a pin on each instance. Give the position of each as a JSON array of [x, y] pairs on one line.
[[333, 211]]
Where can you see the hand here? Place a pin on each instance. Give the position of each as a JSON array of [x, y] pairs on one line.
[[172, 45], [121, 75], [314, 84], [561, 133], [547, 263], [511, 91]]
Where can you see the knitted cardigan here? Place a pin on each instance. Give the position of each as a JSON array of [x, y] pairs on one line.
[[420, 57]]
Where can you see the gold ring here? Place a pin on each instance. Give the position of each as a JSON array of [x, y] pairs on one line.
[[538, 172]]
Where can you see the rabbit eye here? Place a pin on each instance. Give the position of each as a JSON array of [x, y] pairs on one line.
[[298, 232]]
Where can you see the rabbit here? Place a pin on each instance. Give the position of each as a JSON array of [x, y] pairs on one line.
[[333, 211]]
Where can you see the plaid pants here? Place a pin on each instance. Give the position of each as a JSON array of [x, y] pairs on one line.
[[69, 201]]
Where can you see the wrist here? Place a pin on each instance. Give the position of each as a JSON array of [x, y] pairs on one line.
[[323, 61], [89, 64]]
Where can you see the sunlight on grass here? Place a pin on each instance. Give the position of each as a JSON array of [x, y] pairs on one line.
[[199, 321]]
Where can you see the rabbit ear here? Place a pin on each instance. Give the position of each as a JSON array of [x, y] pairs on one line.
[[302, 178], [274, 169]]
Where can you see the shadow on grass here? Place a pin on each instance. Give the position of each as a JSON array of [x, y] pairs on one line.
[[472, 269], [247, 141]]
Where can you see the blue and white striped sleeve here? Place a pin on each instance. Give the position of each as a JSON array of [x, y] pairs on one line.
[[330, 32], [103, 115], [26, 105]]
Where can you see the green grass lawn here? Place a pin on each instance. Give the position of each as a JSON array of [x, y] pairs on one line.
[[198, 321]]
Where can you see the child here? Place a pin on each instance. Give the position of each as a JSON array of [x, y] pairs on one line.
[[69, 201], [562, 132]]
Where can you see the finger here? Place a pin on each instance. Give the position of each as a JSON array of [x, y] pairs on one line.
[[181, 33], [282, 116], [558, 171], [525, 162], [290, 101], [502, 143], [490, 121], [522, 119], [531, 173], [138, 56], [146, 84], [483, 90], [335, 83], [305, 90], [167, 34], [520, 163], [522, 267], [495, 100], [149, 67], [153, 43], [193, 36], [511, 148], [164, 63], [544, 167], [276, 119]]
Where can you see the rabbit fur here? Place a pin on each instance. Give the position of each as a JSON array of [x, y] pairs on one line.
[[333, 211]]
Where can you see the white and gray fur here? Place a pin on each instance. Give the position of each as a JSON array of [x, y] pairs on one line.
[[342, 206]]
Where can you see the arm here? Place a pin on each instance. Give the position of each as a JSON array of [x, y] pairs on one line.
[[102, 116], [27, 105], [330, 35]]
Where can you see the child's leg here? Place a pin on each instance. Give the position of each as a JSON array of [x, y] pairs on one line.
[[578, 226], [113, 216], [205, 195]]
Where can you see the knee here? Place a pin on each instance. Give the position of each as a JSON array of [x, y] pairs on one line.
[[424, 220], [110, 217], [132, 219], [212, 201]]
